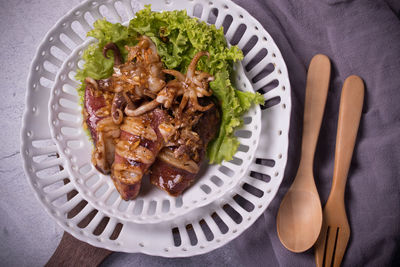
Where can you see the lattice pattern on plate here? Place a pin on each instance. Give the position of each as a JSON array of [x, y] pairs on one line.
[[202, 229], [152, 205]]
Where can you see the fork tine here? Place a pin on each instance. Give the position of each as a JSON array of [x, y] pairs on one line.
[[341, 244], [320, 246], [330, 246]]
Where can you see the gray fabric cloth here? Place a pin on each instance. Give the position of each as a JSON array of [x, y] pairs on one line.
[[361, 37]]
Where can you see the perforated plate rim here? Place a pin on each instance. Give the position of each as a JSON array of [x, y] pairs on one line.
[[34, 129]]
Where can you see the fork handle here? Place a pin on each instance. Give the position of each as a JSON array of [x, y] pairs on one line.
[[351, 103]]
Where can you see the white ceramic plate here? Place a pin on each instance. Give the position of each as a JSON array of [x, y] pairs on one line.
[[224, 202]]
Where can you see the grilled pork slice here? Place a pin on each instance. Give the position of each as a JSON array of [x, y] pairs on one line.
[[136, 149], [176, 167], [100, 124]]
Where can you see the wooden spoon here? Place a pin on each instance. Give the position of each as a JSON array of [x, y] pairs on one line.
[[299, 217]]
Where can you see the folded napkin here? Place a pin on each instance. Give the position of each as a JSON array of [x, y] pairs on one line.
[[362, 38]]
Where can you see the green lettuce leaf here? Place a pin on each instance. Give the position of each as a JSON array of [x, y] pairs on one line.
[[234, 104], [178, 38]]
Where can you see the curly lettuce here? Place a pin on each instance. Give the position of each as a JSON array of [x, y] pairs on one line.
[[178, 38], [96, 65]]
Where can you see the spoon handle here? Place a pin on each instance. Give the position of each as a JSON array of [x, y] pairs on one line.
[[316, 92], [351, 103]]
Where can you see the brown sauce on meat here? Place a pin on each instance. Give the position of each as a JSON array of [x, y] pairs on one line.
[[136, 113]]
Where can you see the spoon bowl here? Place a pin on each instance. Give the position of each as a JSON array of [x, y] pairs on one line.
[[299, 213], [299, 217]]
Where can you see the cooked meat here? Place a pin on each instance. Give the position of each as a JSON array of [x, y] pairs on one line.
[[93, 102], [135, 118], [189, 87], [176, 168], [169, 178], [118, 59], [136, 150], [107, 99], [101, 126]]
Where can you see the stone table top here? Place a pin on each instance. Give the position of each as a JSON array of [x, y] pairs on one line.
[[28, 234]]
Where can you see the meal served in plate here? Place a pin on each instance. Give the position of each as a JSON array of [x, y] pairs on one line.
[[157, 99]]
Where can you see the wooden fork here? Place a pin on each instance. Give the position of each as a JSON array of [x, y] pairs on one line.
[[335, 233]]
